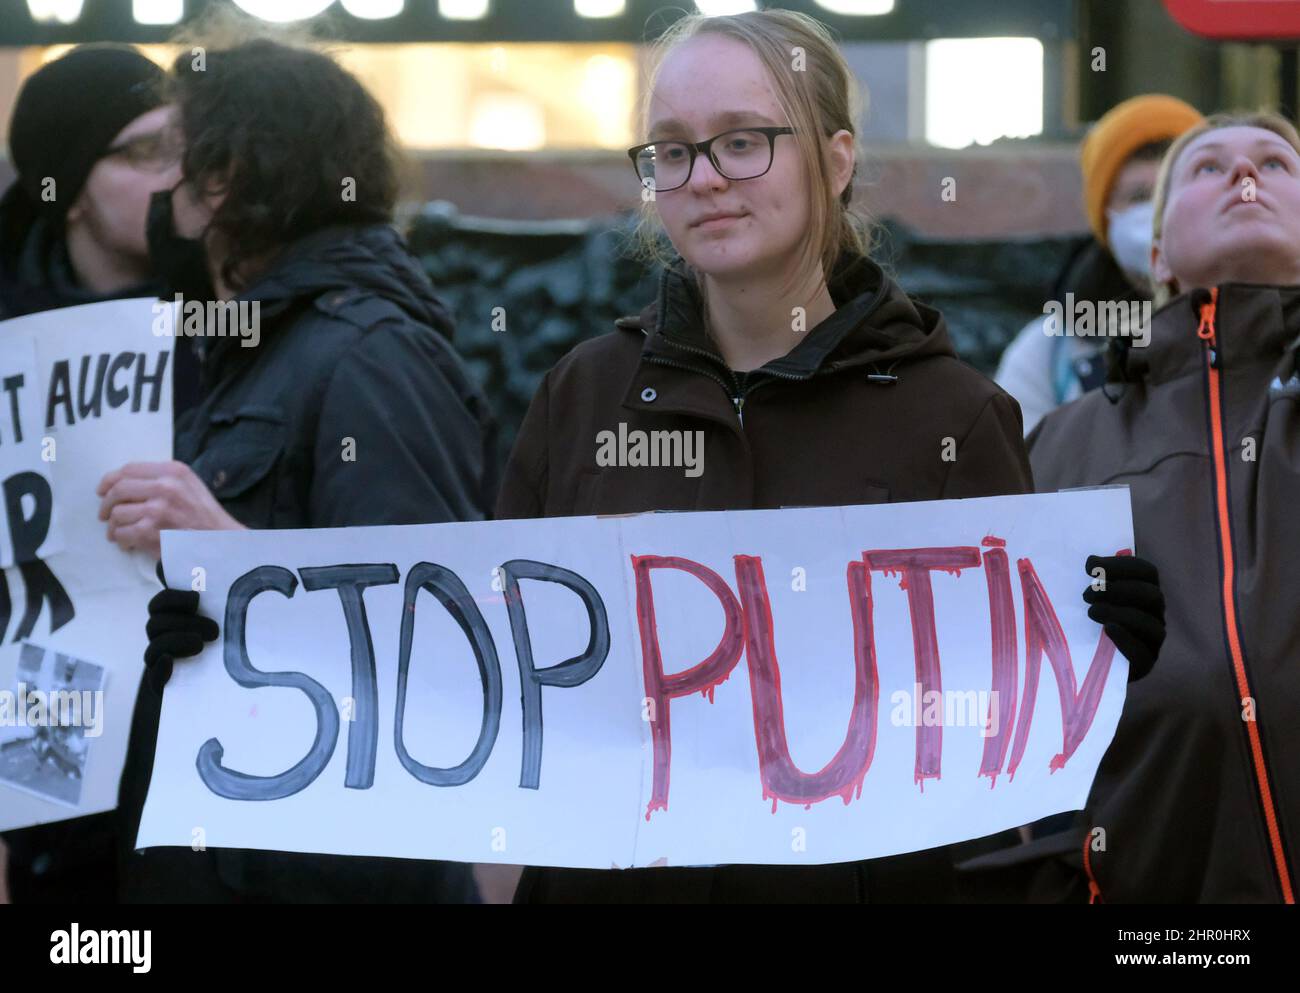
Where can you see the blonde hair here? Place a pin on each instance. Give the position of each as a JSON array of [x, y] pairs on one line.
[[819, 98], [1266, 120]]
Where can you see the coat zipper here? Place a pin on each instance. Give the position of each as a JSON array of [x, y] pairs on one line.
[[734, 393], [1094, 891], [1206, 331]]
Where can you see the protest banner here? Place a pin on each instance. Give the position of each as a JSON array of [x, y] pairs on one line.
[[85, 390], [786, 686]]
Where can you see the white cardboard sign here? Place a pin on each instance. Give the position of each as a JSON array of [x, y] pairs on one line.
[[789, 686]]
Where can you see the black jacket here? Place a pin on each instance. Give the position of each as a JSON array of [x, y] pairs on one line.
[[354, 359]]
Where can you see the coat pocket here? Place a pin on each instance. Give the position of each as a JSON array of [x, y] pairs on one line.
[[240, 462]]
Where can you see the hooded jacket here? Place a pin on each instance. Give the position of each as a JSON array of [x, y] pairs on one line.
[[871, 406], [861, 410], [1198, 797], [354, 347], [352, 409]]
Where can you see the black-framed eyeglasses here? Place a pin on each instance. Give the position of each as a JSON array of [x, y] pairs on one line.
[[746, 153]]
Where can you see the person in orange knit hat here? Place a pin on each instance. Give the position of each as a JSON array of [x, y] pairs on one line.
[[1120, 156]]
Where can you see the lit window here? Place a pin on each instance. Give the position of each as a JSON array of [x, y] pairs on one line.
[[157, 11], [54, 11], [463, 10], [717, 8], [599, 8], [857, 7], [465, 95], [373, 10], [283, 10], [980, 89], [509, 96], [511, 121]]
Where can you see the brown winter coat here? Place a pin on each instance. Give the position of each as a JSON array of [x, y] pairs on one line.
[[1196, 802], [862, 410]]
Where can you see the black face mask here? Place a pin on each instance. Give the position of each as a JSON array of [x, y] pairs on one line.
[[180, 264]]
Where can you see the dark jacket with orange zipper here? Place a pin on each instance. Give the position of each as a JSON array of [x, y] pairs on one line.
[[861, 410], [1197, 800]]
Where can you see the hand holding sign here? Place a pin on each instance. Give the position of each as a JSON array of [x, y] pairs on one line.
[[176, 630], [1130, 606], [142, 499]]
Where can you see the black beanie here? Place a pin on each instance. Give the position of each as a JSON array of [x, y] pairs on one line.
[[69, 111]]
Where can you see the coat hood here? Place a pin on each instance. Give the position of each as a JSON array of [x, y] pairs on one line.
[[1255, 323], [372, 259], [875, 323]]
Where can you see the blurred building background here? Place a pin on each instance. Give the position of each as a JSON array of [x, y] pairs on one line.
[[516, 113]]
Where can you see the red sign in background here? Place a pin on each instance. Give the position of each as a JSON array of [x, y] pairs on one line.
[[1238, 20]]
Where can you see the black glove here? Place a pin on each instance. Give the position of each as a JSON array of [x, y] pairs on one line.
[[176, 630], [1131, 608]]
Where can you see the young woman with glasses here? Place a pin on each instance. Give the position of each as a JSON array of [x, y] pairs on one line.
[[813, 377]]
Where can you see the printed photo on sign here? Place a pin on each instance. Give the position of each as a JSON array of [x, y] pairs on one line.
[[49, 721]]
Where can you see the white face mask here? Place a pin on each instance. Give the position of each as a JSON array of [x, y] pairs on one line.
[[1129, 233]]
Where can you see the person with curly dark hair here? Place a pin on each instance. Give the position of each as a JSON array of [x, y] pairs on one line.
[[347, 382], [276, 149]]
